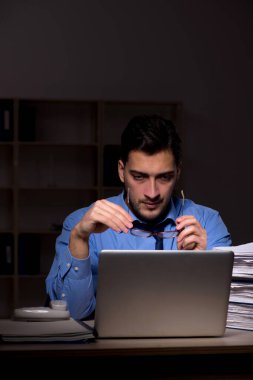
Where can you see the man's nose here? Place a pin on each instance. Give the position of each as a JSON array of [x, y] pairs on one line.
[[152, 190]]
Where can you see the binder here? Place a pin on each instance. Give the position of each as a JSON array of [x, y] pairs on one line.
[[6, 254], [6, 120]]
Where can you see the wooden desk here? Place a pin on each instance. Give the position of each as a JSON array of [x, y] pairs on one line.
[[228, 357]]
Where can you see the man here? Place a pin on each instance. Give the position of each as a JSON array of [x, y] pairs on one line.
[[146, 215]]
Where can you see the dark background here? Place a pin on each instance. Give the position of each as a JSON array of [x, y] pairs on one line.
[[195, 52]]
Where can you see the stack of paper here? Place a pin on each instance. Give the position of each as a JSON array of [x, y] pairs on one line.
[[240, 309], [52, 331]]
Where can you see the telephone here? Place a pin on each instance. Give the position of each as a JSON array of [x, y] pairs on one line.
[[56, 311]]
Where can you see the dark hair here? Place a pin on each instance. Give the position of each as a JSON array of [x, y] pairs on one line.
[[150, 134]]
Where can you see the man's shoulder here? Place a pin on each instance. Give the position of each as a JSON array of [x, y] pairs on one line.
[[74, 217], [115, 199], [190, 205]]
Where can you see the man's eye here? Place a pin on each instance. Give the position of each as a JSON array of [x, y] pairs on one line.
[[138, 177], [167, 177]]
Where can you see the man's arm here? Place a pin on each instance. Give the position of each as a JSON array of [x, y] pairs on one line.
[[70, 277]]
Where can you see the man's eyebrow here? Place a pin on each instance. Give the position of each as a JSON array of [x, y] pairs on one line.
[[137, 172], [169, 172]]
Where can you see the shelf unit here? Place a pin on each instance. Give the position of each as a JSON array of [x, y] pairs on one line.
[[55, 156]]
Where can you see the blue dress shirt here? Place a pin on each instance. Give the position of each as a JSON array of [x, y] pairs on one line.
[[75, 280]]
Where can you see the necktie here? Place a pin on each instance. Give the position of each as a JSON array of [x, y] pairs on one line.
[[153, 228], [158, 242]]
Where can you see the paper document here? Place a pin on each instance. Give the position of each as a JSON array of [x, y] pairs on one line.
[[240, 309], [242, 292], [242, 248], [240, 316], [53, 331], [243, 260]]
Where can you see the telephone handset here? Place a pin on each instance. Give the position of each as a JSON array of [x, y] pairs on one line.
[[56, 311]]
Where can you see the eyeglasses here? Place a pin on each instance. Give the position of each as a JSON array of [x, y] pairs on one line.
[[145, 234], [162, 234]]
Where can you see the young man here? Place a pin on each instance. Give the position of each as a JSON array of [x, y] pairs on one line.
[[146, 215]]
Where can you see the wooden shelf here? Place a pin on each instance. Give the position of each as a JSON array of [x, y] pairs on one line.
[[55, 156]]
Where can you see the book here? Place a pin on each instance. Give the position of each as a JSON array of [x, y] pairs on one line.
[[68, 330]]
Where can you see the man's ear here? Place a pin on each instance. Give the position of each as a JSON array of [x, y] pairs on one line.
[[121, 168]]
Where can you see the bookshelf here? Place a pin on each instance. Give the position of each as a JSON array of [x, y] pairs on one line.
[[55, 156]]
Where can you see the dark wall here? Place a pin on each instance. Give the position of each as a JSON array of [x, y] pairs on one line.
[[197, 52]]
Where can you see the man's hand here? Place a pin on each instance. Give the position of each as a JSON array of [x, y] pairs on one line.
[[191, 234], [101, 216]]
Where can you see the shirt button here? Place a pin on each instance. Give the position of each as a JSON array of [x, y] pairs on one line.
[[76, 269], [68, 265], [63, 295]]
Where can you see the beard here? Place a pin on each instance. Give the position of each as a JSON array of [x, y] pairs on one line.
[[136, 209]]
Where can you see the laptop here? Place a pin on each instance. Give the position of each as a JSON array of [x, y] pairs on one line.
[[149, 294]]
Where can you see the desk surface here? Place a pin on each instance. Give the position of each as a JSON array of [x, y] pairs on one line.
[[233, 342], [228, 357]]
